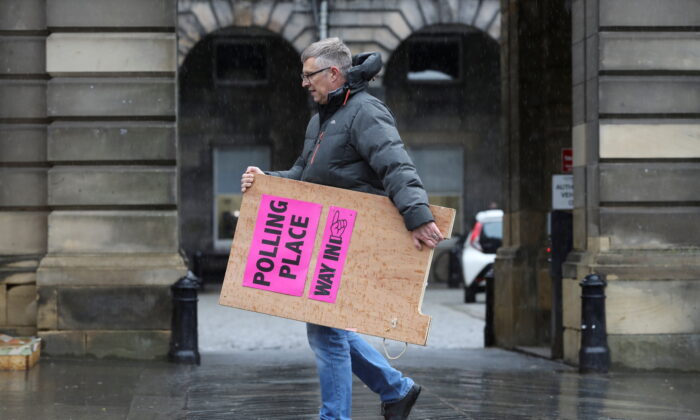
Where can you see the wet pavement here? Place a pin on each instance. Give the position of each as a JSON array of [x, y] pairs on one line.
[[259, 368], [458, 384]]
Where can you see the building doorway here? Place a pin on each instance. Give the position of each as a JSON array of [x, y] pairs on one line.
[[240, 103]]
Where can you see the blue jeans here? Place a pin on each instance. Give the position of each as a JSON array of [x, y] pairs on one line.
[[341, 353]]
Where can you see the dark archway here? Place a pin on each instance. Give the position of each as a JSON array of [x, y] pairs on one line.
[[240, 103], [443, 84]]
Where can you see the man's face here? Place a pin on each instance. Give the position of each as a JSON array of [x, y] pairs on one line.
[[319, 83]]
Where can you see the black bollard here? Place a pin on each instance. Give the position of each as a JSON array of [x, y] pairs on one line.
[[594, 355], [183, 340], [456, 276]]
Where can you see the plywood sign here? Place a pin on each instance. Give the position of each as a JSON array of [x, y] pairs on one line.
[[329, 256]]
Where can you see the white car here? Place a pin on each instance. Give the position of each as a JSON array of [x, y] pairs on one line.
[[479, 251]]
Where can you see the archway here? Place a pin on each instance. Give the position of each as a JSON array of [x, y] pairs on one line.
[[443, 85], [240, 103]]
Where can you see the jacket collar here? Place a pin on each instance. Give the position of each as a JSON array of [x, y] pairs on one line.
[[364, 67]]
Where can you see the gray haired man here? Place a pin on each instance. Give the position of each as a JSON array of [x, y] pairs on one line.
[[353, 143]]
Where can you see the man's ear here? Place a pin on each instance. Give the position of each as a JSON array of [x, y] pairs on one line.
[[335, 71]]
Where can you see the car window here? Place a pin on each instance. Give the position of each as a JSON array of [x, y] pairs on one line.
[[493, 230]]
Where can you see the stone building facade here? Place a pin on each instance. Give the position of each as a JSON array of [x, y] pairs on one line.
[[98, 163]]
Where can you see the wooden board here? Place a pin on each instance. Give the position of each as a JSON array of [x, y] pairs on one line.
[[383, 279]]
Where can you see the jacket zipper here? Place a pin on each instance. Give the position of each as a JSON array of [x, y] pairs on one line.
[[320, 137]]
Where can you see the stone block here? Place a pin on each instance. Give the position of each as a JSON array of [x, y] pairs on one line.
[[22, 55], [278, 17], [650, 227], [114, 308], [649, 182], [63, 343], [21, 305], [571, 303], [111, 185], [22, 99], [649, 140], [223, 11], [578, 104], [398, 25], [580, 226], [23, 232], [592, 17], [653, 306], [592, 57], [297, 24], [111, 97], [655, 351], [118, 269], [592, 100], [17, 276], [47, 308], [3, 304], [19, 262], [572, 346], [106, 13], [22, 15], [22, 143], [15, 331], [243, 13], [146, 345], [304, 39], [649, 13], [111, 141], [261, 12], [578, 19], [579, 142], [578, 63], [631, 95], [579, 173], [490, 11], [112, 231], [71, 53], [642, 51], [22, 187]]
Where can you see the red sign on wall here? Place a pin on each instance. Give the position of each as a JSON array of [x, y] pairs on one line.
[[567, 160]]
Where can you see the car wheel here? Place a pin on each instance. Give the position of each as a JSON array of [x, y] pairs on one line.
[[469, 293]]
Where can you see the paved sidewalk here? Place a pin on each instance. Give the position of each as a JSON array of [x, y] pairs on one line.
[[259, 367], [458, 384]]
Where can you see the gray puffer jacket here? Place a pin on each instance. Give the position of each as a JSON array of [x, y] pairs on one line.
[[353, 143]]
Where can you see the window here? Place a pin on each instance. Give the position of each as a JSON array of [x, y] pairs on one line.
[[229, 164], [434, 59], [441, 169], [240, 62]]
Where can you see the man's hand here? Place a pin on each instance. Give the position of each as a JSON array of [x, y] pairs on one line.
[[427, 234], [249, 177]]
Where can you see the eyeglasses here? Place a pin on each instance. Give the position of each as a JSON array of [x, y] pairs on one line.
[[306, 76]]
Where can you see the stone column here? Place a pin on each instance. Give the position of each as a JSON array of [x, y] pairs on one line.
[[22, 161], [112, 186], [535, 69], [636, 138]]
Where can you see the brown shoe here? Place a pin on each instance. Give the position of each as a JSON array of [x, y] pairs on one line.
[[399, 410]]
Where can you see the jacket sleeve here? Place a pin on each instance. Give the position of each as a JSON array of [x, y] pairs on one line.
[[376, 139], [298, 168], [294, 172]]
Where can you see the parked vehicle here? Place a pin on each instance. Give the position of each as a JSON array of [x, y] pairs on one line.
[[479, 251]]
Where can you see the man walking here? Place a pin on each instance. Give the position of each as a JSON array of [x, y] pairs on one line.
[[353, 143]]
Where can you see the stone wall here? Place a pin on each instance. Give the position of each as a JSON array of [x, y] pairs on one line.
[[23, 163], [536, 79], [111, 186], [636, 153]]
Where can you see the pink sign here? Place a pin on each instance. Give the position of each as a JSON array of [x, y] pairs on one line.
[[283, 242], [331, 256]]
